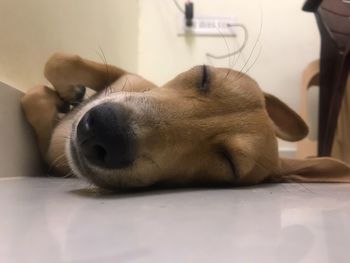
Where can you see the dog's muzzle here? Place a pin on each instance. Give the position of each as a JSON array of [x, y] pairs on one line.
[[105, 138]]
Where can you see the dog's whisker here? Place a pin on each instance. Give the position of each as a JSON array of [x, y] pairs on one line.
[[254, 46], [62, 162], [235, 55], [229, 57], [66, 137], [151, 160], [68, 175], [255, 60], [57, 119], [286, 188], [240, 51], [240, 54], [108, 80], [62, 165], [124, 85], [265, 164], [55, 161], [306, 189], [227, 47]]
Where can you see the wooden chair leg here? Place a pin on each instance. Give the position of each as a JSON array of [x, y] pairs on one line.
[[336, 102], [310, 77], [341, 141]]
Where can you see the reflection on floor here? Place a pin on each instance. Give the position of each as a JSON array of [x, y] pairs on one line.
[[64, 220]]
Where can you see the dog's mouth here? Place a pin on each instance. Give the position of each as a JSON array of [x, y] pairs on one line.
[[75, 162]]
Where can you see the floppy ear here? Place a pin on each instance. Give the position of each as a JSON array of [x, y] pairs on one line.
[[313, 170], [288, 124]]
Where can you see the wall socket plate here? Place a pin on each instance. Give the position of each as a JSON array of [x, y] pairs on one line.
[[208, 26]]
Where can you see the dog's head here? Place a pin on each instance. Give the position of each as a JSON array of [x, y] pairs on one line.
[[207, 126]]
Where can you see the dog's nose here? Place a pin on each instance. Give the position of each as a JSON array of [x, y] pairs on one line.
[[105, 138]]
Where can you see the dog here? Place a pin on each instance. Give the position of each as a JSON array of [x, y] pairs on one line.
[[206, 127]]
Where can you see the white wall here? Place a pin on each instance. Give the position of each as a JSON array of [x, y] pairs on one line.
[[31, 30], [289, 40]]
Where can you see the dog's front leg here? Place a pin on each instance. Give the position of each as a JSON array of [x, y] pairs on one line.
[[70, 74], [41, 106]]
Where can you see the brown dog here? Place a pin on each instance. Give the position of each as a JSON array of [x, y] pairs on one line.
[[207, 126]]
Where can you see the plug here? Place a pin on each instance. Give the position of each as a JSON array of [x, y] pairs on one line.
[[189, 10]]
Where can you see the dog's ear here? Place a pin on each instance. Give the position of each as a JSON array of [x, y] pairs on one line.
[[288, 124], [318, 170]]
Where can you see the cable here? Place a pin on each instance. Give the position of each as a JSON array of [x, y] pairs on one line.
[[230, 25], [179, 6], [188, 11], [236, 51]]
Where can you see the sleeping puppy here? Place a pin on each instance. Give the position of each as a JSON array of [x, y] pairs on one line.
[[207, 126]]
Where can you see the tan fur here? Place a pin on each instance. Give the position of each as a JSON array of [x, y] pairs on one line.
[[225, 135]]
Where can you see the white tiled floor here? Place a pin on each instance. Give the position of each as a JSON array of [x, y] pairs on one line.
[[58, 220]]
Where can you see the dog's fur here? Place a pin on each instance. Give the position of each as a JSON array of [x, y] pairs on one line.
[[207, 126]]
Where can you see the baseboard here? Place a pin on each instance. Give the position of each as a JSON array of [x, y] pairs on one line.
[[288, 152]]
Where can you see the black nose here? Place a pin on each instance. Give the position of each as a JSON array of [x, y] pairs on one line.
[[105, 137]]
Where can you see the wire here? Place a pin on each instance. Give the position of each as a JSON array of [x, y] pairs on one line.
[[179, 6], [236, 51], [229, 25]]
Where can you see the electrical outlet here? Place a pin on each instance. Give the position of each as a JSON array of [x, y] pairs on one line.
[[208, 26]]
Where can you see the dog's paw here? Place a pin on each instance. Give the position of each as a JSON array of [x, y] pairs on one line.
[[79, 94], [40, 95], [39, 100], [72, 95]]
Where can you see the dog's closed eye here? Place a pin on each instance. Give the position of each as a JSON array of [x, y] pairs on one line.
[[204, 85]]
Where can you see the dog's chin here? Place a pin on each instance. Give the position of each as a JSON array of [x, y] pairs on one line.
[[108, 179]]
